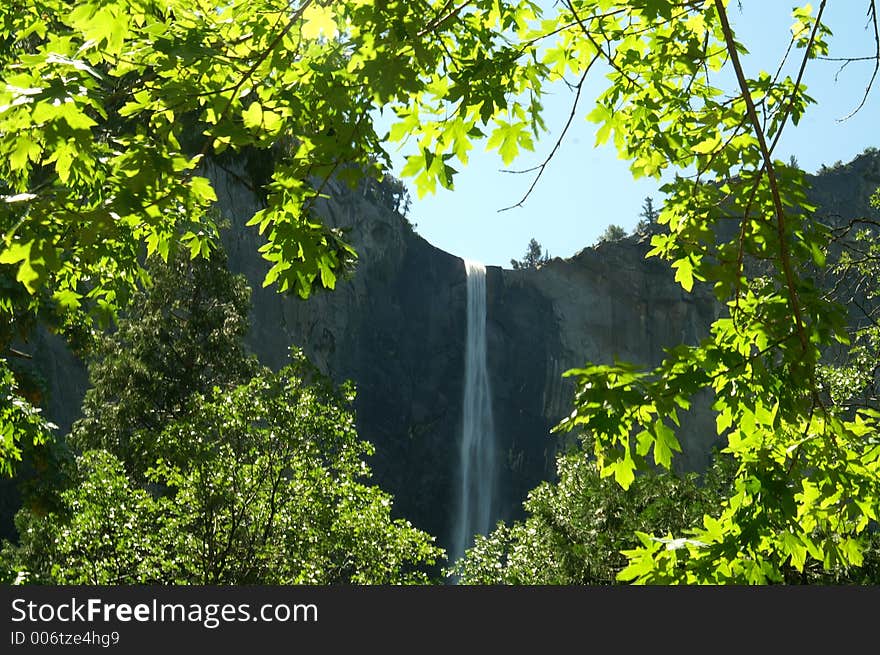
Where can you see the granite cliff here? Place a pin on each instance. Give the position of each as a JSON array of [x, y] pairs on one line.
[[397, 329]]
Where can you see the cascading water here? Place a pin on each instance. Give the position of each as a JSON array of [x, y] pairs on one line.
[[478, 449]]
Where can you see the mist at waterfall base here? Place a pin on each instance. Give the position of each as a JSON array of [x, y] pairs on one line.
[[478, 454]]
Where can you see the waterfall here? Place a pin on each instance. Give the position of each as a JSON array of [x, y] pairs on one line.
[[478, 449]]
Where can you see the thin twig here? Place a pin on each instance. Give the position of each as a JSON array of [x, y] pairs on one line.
[[17, 353], [437, 22], [872, 12], [540, 168], [849, 59], [800, 76]]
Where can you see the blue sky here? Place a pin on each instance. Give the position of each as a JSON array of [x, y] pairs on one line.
[[585, 188]]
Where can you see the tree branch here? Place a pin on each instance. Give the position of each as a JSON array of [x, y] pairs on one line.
[[540, 168], [785, 260], [443, 17], [250, 71]]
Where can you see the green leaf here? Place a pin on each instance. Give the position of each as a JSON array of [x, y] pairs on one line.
[[793, 546], [414, 165], [318, 21], [253, 116], [624, 471], [723, 421], [202, 190], [818, 254], [21, 254], [684, 273], [67, 298], [26, 150], [708, 145], [507, 138], [665, 443], [328, 277]]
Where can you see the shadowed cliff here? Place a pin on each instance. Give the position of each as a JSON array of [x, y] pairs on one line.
[[396, 328]]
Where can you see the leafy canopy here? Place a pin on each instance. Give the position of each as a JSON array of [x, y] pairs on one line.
[[200, 467], [262, 484], [110, 111], [807, 486], [577, 526], [612, 233], [183, 335], [112, 114]]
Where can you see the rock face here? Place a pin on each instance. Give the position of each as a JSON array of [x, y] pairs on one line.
[[397, 330], [610, 303]]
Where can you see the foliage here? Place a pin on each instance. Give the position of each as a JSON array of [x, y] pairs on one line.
[[612, 233], [807, 484], [181, 336], [577, 526], [27, 439], [649, 212], [103, 529], [112, 110], [22, 425], [109, 109], [200, 467], [533, 257], [112, 113], [265, 485], [850, 379], [808, 477], [392, 193]]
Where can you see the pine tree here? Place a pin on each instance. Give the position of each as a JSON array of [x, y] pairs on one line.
[[533, 257]]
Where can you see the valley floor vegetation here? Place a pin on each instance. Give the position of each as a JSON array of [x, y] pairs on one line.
[[193, 464]]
